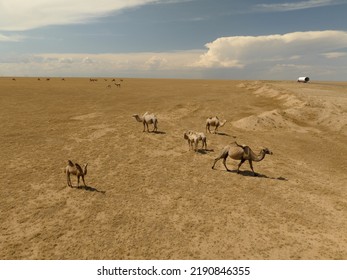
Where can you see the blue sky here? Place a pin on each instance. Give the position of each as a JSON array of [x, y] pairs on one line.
[[223, 39]]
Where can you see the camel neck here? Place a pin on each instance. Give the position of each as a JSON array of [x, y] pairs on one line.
[[258, 157]]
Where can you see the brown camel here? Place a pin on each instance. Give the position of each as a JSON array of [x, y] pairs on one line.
[[242, 153]]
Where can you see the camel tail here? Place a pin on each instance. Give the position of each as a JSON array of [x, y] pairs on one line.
[[85, 169]]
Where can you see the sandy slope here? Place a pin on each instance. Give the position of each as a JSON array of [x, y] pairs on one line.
[[148, 197]]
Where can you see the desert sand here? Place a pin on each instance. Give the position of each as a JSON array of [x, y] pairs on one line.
[[147, 195]]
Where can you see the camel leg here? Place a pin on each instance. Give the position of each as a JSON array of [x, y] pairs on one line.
[[241, 162], [215, 161], [204, 144], [251, 165], [144, 127], [68, 179], [225, 164], [84, 181], [78, 181], [223, 156]]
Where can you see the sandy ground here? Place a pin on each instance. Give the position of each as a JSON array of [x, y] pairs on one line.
[[148, 196]]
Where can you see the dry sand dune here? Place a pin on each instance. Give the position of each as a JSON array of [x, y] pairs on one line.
[[148, 197]]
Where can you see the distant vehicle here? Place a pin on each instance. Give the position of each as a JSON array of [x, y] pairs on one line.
[[303, 79]]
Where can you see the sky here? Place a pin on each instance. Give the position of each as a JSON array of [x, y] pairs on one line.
[[198, 39]]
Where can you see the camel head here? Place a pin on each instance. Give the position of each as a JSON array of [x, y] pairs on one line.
[[267, 151], [136, 116]]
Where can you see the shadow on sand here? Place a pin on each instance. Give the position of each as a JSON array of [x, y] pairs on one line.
[[204, 151], [224, 134], [248, 173], [89, 188], [158, 132]]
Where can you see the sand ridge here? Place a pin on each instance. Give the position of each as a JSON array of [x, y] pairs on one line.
[[148, 197]]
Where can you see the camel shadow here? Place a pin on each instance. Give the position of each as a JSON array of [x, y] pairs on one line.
[[89, 188], [204, 151], [158, 132], [248, 173], [223, 134]]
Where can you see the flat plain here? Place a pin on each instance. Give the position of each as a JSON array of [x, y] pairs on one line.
[[147, 195]]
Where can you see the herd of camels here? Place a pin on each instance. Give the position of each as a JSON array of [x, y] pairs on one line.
[[234, 150]]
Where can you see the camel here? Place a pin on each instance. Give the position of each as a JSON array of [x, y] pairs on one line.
[[147, 119], [194, 138], [242, 153], [75, 169], [214, 121], [117, 84]]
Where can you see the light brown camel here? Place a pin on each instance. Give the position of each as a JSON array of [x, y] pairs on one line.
[[242, 153], [214, 121], [147, 119], [194, 138], [75, 169]]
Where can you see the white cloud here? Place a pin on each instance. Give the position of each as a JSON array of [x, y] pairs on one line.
[[283, 7], [317, 54], [108, 64], [334, 54], [156, 62], [18, 15], [240, 51], [11, 38]]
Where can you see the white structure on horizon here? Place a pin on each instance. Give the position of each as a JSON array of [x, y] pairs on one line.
[[303, 79]]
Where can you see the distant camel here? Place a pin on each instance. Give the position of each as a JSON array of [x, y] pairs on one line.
[[75, 169], [147, 119], [117, 84], [243, 153], [194, 138], [109, 86], [214, 121]]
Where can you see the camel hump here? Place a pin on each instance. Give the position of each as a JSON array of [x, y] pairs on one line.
[[78, 167], [241, 146]]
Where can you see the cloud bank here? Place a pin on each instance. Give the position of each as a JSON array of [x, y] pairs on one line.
[[170, 64], [240, 51], [284, 7], [19, 15], [11, 38], [318, 54]]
